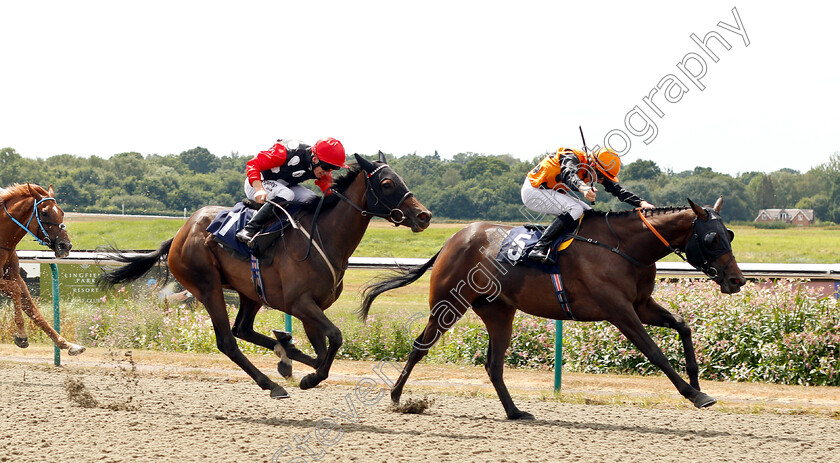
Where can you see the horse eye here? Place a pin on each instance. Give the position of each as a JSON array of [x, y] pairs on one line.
[[387, 184]]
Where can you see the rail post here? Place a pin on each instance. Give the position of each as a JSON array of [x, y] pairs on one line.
[[56, 313], [558, 354]]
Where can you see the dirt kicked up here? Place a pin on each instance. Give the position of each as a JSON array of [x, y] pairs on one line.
[[118, 411]]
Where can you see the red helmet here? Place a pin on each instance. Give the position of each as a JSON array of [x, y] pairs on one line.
[[330, 151]]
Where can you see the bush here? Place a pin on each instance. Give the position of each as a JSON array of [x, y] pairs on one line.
[[781, 333]]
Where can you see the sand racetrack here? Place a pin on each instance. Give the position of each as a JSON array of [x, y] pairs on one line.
[[187, 416]]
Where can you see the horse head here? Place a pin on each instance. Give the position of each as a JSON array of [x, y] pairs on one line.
[[709, 248], [50, 221], [389, 197]]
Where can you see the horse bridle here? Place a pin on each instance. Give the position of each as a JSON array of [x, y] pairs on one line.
[[47, 241], [381, 208], [696, 252]]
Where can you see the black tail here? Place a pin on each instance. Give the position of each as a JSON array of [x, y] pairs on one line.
[[405, 276], [136, 266]]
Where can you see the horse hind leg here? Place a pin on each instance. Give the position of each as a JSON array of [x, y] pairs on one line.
[[21, 338], [442, 317], [226, 342], [22, 301], [498, 318], [243, 328]]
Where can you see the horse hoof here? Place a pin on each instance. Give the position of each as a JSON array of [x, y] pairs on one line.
[[23, 343], [704, 400], [75, 349], [279, 393], [520, 415], [285, 369], [309, 381]]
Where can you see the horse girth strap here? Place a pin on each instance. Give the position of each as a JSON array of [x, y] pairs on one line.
[[615, 250]]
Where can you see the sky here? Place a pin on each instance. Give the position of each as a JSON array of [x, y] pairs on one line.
[[519, 78]]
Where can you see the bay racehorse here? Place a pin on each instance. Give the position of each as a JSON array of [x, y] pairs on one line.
[[298, 282], [30, 209], [602, 282]]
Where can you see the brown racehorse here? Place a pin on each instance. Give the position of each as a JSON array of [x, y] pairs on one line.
[[30, 209], [600, 285], [298, 282]]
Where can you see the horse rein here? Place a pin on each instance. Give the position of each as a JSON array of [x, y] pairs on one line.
[[705, 267], [615, 249], [47, 241]]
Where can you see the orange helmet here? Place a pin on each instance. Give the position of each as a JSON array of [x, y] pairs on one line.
[[330, 151], [607, 162]]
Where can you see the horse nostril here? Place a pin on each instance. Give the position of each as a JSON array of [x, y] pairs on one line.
[[425, 216]]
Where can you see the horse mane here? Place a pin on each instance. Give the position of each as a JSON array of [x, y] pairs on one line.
[[340, 184], [18, 189], [645, 212]]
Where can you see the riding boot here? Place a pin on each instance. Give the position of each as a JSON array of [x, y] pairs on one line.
[[541, 252], [260, 219]]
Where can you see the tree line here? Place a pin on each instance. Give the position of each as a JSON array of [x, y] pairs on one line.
[[469, 186]]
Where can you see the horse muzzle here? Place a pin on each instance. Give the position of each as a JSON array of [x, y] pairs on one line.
[[61, 247]]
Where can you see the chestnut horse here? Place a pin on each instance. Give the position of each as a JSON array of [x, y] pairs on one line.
[[298, 282], [30, 209], [601, 282]]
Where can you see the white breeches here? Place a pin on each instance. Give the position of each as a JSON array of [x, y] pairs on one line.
[[547, 201], [280, 189]]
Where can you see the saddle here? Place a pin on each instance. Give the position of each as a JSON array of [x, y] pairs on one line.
[[520, 240], [226, 223]]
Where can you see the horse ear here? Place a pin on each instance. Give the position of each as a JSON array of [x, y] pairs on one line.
[[32, 192], [718, 203], [364, 163], [699, 211], [382, 158], [50, 191]]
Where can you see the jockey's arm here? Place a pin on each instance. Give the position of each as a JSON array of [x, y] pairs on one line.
[[622, 193]]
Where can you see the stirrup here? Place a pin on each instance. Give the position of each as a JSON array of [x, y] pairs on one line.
[[540, 255], [245, 237]]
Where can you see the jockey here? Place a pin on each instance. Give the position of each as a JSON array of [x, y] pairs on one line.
[[278, 171], [548, 189]]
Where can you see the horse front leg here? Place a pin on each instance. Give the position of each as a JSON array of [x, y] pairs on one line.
[[324, 336], [652, 313], [628, 322]]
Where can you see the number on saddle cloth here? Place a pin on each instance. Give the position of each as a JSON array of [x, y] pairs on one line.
[[516, 246], [519, 242], [226, 223]]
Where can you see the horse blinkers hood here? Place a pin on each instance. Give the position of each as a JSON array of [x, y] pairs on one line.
[[709, 241]]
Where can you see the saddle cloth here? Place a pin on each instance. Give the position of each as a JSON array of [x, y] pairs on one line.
[[519, 242], [226, 223]]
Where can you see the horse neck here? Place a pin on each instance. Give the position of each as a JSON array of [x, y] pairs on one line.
[[11, 232], [343, 227], [674, 226]]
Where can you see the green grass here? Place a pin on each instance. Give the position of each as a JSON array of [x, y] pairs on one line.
[[817, 245], [126, 234]]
